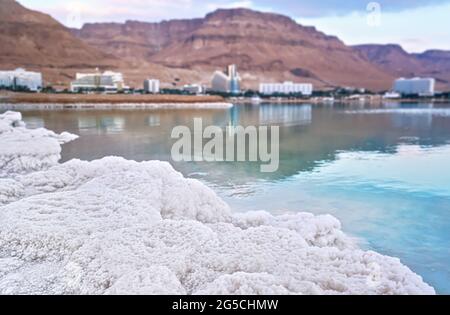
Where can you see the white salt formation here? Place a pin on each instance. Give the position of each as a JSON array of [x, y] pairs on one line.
[[23, 150], [120, 227]]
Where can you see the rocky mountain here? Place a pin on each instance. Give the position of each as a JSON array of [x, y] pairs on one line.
[[265, 46], [135, 40], [396, 61], [35, 40]]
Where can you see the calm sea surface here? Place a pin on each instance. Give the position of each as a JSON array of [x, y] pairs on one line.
[[384, 172]]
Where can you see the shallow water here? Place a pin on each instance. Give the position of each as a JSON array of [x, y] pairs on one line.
[[384, 172]]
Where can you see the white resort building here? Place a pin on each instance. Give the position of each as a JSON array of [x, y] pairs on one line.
[[193, 89], [415, 86], [286, 88], [21, 79], [108, 81], [229, 82], [152, 86]]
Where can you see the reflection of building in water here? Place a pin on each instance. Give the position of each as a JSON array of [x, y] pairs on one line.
[[154, 121], [285, 115], [112, 125], [409, 106], [234, 116], [87, 125], [93, 125], [416, 116], [34, 122]]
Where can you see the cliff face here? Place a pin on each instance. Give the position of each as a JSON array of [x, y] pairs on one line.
[[135, 39], [265, 46], [32, 38], [396, 61], [36, 41]]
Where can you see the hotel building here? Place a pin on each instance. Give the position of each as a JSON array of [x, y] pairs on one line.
[[21, 79], [109, 82], [286, 88], [152, 86], [415, 86], [193, 89], [229, 82]]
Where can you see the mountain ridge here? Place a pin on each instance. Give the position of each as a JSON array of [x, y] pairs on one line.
[[395, 60], [265, 46]]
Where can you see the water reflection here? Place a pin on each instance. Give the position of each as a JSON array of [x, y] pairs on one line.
[[308, 135], [285, 115], [34, 122], [154, 120], [88, 125]]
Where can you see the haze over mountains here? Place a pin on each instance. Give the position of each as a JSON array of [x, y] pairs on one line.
[[265, 46]]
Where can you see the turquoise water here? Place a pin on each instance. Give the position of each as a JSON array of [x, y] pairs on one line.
[[384, 172]]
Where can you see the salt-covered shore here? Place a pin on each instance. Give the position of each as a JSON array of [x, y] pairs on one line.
[[115, 226]]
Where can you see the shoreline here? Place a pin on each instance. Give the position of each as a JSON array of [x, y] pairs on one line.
[[39, 98], [337, 101], [23, 101], [109, 106]]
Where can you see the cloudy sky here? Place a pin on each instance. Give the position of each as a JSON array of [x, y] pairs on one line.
[[415, 24]]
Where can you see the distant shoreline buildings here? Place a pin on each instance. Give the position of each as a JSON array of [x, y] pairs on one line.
[[195, 89], [20, 79], [108, 82], [152, 86], [286, 88], [228, 82], [414, 86]]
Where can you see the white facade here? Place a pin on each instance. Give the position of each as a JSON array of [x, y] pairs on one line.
[[229, 82], [285, 88], [193, 88], [20, 78], [152, 86], [108, 81], [416, 86]]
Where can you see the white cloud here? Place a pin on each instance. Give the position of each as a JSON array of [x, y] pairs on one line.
[[416, 29]]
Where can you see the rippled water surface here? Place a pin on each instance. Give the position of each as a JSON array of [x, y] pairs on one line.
[[384, 171]]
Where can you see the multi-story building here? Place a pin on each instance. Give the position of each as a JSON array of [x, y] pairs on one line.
[[152, 86], [20, 79], [229, 82], [415, 86], [193, 89], [286, 88], [108, 81]]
